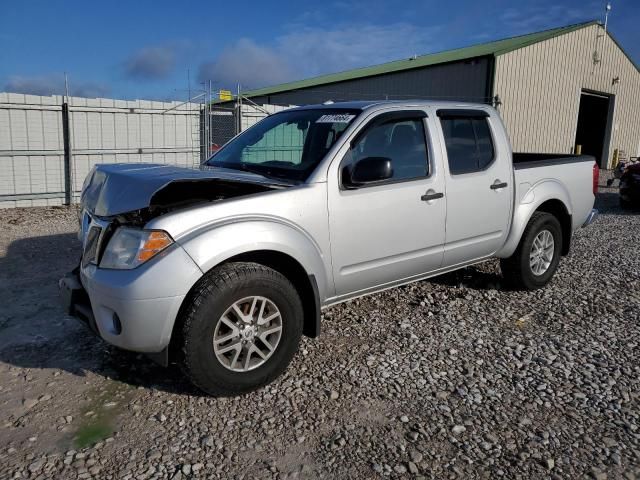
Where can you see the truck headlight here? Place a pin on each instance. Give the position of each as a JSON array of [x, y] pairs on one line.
[[130, 247]]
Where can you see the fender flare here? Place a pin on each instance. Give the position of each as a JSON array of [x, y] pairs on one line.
[[527, 205], [222, 240]]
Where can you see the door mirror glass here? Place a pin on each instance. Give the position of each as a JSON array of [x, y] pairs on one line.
[[368, 170]]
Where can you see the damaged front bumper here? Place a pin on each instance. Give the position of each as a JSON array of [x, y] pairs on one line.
[[132, 309], [75, 299]]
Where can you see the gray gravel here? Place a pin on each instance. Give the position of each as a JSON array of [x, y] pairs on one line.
[[449, 378]]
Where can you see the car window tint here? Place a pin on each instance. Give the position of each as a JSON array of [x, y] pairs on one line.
[[402, 141], [484, 142], [469, 144], [283, 143]]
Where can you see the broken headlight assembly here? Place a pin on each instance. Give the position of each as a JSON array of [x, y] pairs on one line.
[[130, 247]]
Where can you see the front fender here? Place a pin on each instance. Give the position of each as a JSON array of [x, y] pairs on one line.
[[225, 239], [531, 197]]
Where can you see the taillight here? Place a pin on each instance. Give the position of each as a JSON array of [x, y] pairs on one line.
[[596, 178]]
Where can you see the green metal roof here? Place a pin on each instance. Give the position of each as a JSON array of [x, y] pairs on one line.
[[492, 48]]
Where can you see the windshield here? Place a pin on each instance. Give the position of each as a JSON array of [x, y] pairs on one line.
[[287, 145]]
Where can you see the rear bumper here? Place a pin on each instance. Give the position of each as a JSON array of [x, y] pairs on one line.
[[132, 309], [593, 214]]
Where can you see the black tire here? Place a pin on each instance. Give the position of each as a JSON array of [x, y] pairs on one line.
[[215, 293], [516, 269]]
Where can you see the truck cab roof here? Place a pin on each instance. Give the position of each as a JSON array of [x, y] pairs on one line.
[[371, 104]]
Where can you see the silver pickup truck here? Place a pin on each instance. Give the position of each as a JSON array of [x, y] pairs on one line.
[[222, 269]]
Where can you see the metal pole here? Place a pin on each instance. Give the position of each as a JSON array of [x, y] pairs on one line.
[[181, 104], [66, 140], [67, 153], [239, 103], [209, 121]]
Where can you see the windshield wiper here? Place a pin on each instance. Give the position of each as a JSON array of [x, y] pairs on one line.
[[268, 173]]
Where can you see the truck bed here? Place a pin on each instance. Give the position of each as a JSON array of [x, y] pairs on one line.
[[573, 172]]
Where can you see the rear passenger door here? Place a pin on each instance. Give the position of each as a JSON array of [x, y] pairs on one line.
[[479, 186]]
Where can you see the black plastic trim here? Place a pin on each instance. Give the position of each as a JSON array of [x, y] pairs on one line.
[[76, 301], [548, 161], [461, 113], [312, 328]]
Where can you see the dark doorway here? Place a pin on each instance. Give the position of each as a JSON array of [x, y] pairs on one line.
[[594, 125]]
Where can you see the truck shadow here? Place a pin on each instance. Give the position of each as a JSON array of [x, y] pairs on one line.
[[35, 332], [473, 277]]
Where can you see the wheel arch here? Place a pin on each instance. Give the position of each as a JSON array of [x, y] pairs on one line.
[[559, 210], [304, 282], [548, 196]]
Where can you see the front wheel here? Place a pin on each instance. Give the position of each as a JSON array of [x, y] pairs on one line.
[[536, 259], [241, 327]]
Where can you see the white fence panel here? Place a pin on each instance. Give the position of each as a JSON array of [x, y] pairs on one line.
[[101, 131]]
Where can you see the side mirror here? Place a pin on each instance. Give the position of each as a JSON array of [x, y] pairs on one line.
[[368, 170]]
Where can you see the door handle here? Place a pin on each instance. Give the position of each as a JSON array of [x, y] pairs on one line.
[[498, 184], [431, 195]]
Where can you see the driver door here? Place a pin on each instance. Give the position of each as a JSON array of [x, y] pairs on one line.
[[387, 231]]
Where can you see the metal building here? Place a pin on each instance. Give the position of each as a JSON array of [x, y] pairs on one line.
[[558, 91]]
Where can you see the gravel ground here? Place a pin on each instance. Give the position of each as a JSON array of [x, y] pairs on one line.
[[450, 378]]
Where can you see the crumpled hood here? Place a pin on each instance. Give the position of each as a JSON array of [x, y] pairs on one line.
[[113, 189]]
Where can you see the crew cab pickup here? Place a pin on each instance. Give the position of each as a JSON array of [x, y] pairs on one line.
[[223, 268]]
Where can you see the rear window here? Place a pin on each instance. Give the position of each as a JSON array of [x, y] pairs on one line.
[[469, 143]]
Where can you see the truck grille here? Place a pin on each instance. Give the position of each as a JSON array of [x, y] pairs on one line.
[[90, 253]]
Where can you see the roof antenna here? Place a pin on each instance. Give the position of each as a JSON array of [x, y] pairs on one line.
[[607, 9], [596, 54]]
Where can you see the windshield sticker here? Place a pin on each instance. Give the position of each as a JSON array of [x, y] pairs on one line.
[[336, 118]]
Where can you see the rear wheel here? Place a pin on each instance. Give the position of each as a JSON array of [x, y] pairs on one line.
[[536, 259], [241, 328]]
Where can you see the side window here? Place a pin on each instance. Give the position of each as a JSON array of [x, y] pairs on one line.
[[403, 141], [469, 144]]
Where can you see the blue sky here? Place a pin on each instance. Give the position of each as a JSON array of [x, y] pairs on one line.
[[143, 49]]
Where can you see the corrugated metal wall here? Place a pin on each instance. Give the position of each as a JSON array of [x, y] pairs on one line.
[[102, 131], [540, 86], [465, 81]]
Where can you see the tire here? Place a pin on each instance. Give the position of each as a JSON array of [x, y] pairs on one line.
[[202, 323], [517, 270]]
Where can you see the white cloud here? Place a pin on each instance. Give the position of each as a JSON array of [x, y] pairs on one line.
[[151, 63], [309, 51], [247, 63], [53, 84]]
